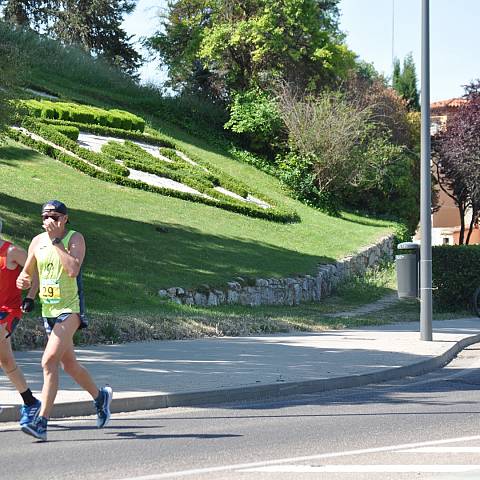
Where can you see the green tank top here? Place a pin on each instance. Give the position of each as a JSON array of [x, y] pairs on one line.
[[58, 292]]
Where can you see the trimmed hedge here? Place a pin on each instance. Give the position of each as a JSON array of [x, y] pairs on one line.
[[157, 140], [73, 112], [160, 140], [70, 132], [50, 133], [456, 275], [271, 214], [136, 157]]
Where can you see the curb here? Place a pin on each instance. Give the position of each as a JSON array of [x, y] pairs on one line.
[[260, 392]]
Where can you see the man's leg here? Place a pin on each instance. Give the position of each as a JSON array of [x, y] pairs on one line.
[[9, 365], [59, 341], [78, 372]]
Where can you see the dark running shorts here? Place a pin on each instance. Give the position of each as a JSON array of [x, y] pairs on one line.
[[50, 322], [11, 319]]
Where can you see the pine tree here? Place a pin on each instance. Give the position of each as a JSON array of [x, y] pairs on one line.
[[94, 25], [404, 81], [397, 72]]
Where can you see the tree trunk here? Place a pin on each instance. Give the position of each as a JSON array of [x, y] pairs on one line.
[[473, 221], [462, 225]]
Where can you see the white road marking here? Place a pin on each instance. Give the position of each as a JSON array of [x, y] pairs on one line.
[[365, 469], [443, 450], [242, 466]]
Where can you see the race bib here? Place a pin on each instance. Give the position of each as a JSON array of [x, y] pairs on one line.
[[49, 291]]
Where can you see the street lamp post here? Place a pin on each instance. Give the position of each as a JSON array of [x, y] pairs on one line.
[[425, 186]]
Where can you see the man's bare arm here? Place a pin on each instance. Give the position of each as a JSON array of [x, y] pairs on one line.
[[19, 256], [28, 277], [73, 258]]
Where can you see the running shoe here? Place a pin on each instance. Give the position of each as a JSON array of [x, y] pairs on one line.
[[37, 429], [102, 404], [29, 413]]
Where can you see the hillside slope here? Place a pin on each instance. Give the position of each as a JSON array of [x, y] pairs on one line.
[[139, 242]]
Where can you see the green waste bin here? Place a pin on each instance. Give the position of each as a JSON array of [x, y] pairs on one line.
[[407, 263]]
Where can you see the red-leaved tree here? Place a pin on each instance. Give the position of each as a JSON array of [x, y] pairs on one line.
[[456, 156]]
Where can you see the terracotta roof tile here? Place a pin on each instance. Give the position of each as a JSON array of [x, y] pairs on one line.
[[451, 102]]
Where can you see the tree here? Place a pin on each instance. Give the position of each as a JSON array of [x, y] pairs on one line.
[[220, 46], [94, 25], [28, 13], [404, 81], [11, 70], [456, 156]]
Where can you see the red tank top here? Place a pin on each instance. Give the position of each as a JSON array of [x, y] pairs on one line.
[[10, 295]]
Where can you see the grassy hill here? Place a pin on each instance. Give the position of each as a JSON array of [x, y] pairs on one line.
[[139, 242]]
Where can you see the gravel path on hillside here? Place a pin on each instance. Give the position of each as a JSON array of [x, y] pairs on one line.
[[381, 304]]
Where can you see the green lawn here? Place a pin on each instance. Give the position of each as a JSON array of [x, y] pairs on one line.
[[139, 242]]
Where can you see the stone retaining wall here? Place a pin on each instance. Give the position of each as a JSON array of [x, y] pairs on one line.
[[285, 291]]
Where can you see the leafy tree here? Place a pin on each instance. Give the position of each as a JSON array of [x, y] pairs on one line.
[[255, 115], [11, 72], [94, 25], [220, 46], [404, 81], [456, 156]]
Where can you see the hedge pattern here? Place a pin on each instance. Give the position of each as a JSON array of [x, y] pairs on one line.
[[158, 139], [71, 132], [50, 133], [83, 114], [456, 275], [106, 162]]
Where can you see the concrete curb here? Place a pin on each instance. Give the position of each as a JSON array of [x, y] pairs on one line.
[[260, 392]]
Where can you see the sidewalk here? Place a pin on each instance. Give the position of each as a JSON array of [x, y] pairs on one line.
[[194, 372]]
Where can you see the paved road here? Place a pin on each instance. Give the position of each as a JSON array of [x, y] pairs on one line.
[[423, 428], [149, 375]]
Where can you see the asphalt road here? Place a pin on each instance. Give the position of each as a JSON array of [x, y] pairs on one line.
[[424, 428]]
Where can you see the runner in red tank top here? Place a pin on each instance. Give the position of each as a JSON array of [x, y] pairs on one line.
[[12, 258]]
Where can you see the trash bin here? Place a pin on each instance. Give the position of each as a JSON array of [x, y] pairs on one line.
[[407, 264]]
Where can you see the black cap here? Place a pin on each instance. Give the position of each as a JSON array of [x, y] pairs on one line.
[[54, 206]]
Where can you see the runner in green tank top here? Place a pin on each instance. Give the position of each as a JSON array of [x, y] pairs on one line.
[[56, 256], [58, 291]]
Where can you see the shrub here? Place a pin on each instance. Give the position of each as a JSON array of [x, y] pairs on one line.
[[112, 172], [254, 114], [50, 133], [70, 132], [455, 275], [84, 114], [153, 139], [325, 131]]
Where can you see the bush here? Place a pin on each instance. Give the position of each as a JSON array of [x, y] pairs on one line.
[[325, 131], [70, 132], [116, 173], [455, 275], [114, 118], [154, 139], [255, 115]]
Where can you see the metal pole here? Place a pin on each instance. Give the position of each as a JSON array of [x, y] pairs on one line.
[[393, 33], [425, 186]]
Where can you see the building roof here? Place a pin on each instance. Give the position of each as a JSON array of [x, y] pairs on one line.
[[451, 102]]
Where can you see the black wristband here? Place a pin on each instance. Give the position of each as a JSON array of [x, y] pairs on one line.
[[27, 305]]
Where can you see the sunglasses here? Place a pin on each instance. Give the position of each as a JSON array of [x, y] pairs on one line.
[[53, 217]]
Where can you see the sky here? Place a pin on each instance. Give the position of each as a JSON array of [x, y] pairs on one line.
[[376, 28]]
